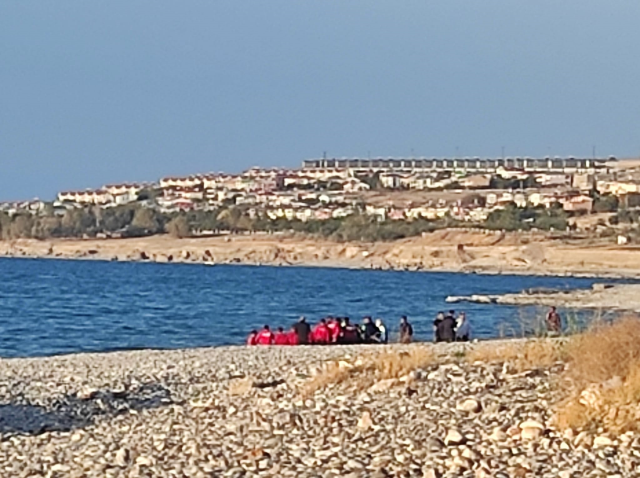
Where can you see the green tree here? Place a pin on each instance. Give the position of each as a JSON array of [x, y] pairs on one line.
[[509, 219], [178, 227], [78, 222], [116, 218], [46, 227], [21, 226], [606, 203], [5, 225], [146, 221]]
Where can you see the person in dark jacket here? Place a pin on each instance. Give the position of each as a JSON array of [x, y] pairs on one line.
[[302, 330], [382, 329], [406, 330], [369, 332], [436, 323], [446, 329], [349, 333]]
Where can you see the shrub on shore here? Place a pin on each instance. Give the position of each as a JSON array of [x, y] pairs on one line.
[[602, 379], [532, 354], [364, 371]]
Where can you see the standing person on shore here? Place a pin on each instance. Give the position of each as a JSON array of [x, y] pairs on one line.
[[463, 328], [302, 330], [265, 337], [554, 322], [281, 338], [436, 324], [406, 330], [446, 330], [253, 336], [382, 329]]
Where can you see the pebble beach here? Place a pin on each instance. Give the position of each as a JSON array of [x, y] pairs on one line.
[[239, 412]]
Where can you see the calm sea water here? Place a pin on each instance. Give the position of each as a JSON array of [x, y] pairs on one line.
[[56, 306]]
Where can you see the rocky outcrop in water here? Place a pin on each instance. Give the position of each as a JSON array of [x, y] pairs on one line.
[[620, 297]]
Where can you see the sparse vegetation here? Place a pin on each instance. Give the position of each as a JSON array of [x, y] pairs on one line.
[[528, 355], [602, 381], [364, 371], [513, 218], [605, 203]]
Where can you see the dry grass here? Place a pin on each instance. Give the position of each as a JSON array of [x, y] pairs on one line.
[[333, 373], [398, 364], [521, 356], [605, 351], [366, 370], [602, 381]]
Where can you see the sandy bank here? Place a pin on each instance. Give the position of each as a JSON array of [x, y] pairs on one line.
[[447, 250], [239, 412]]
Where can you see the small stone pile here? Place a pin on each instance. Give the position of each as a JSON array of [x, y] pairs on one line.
[[239, 412]]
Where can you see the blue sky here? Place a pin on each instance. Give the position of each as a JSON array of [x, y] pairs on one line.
[[103, 91]]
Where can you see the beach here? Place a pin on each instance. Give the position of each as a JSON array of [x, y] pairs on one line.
[[454, 250], [243, 411]]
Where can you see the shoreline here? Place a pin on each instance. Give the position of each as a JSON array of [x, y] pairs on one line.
[[480, 272], [611, 297], [450, 251], [231, 348]]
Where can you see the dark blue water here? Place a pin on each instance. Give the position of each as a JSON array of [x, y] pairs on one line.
[[56, 306]]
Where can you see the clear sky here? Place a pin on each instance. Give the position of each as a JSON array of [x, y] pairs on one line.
[[93, 92]]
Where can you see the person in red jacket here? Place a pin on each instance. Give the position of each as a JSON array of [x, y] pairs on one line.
[[293, 337], [321, 334], [265, 337], [251, 339], [334, 329], [281, 338]]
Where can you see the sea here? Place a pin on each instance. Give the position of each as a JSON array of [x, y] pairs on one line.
[[50, 306]]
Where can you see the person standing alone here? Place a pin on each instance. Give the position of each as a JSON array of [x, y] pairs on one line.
[[554, 322], [406, 330]]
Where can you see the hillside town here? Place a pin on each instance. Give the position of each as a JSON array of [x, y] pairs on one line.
[[466, 190]]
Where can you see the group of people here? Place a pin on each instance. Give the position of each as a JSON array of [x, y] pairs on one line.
[[331, 330], [449, 328]]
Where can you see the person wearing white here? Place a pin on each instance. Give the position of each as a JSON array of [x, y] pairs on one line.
[[463, 329], [383, 331]]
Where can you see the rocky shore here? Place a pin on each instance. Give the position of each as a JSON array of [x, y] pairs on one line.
[[241, 412], [455, 250], [618, 297]]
